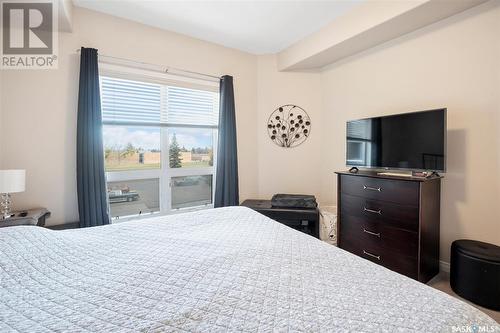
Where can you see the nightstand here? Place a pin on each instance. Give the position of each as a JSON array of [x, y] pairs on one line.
[[302, 219], [34, 216]]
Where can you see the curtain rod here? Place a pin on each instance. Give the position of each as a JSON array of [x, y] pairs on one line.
[[166, 70]]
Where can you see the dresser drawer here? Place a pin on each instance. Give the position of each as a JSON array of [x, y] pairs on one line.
[[370, 210], [379, 235], [406, 265], [397, 191]]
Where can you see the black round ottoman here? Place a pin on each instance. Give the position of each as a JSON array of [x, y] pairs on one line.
[[475, 272]]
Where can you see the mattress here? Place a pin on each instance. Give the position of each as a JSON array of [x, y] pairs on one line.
[[218, 270]]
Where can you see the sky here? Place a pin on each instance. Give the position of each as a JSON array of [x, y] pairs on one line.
[[149, 138]]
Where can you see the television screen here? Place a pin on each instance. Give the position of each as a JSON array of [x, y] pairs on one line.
[[415, 141]]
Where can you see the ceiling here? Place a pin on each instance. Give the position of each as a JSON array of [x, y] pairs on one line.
[[258, 27]]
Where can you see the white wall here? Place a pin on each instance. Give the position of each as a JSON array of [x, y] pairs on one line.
[[454, 64], [40, 106]]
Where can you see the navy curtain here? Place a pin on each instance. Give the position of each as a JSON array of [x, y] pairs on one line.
[[226, 180], [91, 184]]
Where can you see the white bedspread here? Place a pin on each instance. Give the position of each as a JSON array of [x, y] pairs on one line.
[[219, 270]]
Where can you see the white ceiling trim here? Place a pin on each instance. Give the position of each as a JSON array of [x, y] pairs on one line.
[[366, 26]]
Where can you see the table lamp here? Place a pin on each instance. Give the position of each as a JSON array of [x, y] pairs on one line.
[[11, 181]]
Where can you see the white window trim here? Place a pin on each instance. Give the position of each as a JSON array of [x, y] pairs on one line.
[[164, 173], [119, 176]]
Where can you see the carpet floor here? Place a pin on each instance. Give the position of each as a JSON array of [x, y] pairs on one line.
[[442, 282]]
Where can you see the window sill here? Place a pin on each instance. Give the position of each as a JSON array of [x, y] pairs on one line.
[[158, 214]]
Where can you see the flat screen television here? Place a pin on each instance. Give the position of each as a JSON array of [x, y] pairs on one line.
[[409, 141]]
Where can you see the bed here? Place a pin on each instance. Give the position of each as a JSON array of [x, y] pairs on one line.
[[219, 270]]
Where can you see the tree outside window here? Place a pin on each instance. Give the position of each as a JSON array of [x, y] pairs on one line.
[[175, 153]]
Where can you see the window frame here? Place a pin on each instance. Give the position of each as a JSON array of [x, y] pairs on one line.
[[165, 173]]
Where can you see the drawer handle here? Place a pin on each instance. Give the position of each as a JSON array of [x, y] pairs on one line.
[[372, 233], [371, 255], [379, 212], [378, 189]]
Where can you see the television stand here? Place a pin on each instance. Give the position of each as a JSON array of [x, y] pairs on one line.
[[391, 220]]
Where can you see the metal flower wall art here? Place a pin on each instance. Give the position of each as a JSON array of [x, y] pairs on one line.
[[289, 126]]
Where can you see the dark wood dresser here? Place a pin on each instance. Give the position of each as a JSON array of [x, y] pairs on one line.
[[392, 221]]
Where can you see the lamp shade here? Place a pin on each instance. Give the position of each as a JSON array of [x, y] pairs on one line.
[[12, 181]]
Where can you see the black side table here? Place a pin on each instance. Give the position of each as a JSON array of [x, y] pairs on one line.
[[34, 216], [304, 220], [475, 272]]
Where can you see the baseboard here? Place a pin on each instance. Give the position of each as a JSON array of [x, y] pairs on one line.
[[444, 266]]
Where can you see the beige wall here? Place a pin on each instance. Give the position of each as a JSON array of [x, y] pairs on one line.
[[454, 64], [1, 116], [288, 170], [39, 107]]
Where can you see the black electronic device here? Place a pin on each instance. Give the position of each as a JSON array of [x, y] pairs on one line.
[[407, 141]]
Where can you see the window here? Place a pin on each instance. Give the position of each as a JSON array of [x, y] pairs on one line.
[[131, 148], [191, 148], [159, 143], [189, 191], [360, 142], [356, 151], [134, 197]]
